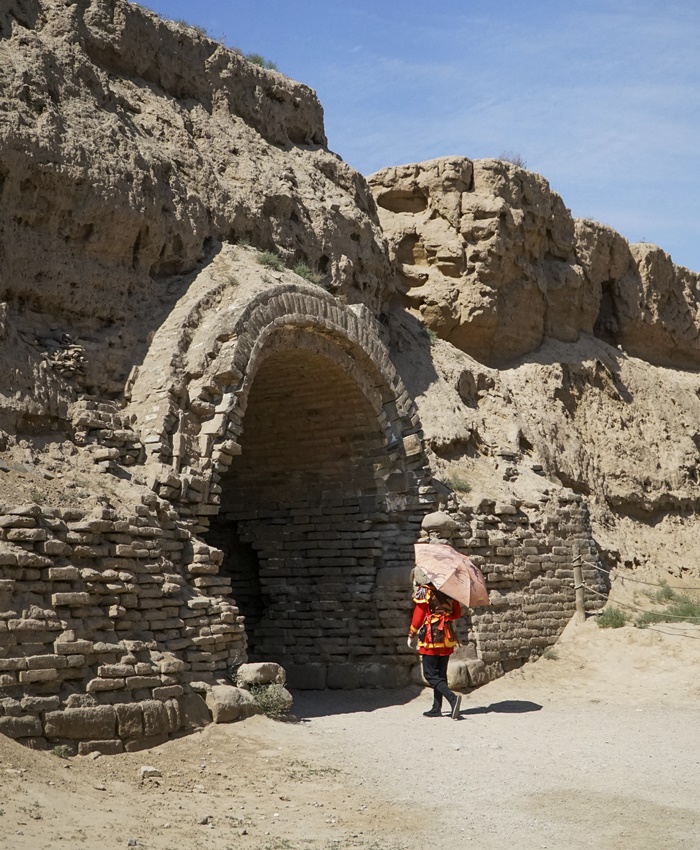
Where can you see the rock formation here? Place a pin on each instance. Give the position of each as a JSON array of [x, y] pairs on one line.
[[570, 352], [236, 389], [131, 147]]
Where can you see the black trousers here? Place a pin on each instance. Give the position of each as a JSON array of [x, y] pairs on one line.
[[435, 674]]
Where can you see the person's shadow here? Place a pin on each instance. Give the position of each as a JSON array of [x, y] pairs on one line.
[[310, 704], [507, 706]]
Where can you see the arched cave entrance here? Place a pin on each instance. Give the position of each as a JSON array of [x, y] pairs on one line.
[[318, 517]]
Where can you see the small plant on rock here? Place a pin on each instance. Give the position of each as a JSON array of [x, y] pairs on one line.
[[305, 271], [612, 618], [429, 334], [198, 29], [272, 699], [270, 260], [513, 158], [257, 59], [457, 480]]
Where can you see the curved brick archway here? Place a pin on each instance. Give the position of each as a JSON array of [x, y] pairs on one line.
[[297, 453], [309, 498]]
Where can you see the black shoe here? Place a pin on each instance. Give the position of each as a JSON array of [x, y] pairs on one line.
[[433, 713], [456, 705]]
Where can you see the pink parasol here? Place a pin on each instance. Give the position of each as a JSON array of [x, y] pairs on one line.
[[452, 573]]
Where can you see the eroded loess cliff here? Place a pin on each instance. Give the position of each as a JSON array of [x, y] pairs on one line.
[[130, 149], [557, 348]]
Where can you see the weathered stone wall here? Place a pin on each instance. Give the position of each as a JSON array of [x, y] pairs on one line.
[[297, 420], [526, 552], [105, 621]]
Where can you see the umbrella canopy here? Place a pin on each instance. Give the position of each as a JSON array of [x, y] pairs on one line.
[[452, 573]]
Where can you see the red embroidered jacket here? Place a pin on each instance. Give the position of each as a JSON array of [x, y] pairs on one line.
[[438, 637]]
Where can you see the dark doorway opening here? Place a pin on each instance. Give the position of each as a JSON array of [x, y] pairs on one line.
[[313, 510], [242, 565]]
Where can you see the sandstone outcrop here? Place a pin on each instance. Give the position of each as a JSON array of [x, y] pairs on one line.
[[600, 341], [490, 259]]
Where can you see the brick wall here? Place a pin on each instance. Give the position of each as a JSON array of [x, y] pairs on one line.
[[526, 552], [113, 615]]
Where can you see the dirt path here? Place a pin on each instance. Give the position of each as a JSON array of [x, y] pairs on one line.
[[599, 748]]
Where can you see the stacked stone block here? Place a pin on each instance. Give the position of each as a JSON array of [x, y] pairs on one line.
[[108, 432], [527, 553], [111, 617]]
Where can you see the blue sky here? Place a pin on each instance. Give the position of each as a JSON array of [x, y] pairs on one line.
[[601, 97]]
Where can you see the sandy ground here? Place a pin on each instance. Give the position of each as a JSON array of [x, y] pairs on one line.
[[596, 748]]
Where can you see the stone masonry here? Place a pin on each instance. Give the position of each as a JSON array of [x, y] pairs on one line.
[[105, 622]]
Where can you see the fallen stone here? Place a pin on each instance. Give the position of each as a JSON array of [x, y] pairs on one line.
[[228, 704], [439, 523], [149, 772], [262, 673]]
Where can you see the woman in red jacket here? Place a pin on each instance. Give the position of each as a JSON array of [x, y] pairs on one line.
[[433, 630]]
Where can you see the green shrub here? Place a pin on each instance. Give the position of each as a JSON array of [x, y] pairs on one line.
[[612, 618], [458, 481], [199, 30], [681, 609], [272, 699], [307, 273], [551, 654], [270, 261], [664, 595], [63, 751], [257, 59]]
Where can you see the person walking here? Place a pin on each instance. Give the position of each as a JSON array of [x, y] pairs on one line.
[[432, 632]]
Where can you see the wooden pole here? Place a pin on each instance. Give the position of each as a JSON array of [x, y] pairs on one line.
[[578, 586]]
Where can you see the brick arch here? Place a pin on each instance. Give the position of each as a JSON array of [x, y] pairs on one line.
[[190, 412], [296, 451], [297, 316]]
